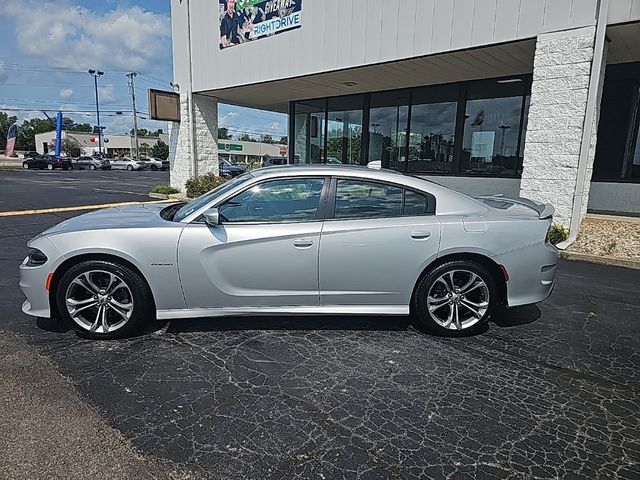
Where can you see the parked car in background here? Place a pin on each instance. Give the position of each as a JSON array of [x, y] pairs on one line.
[[295, 240], [269, 161], [124, 163], [229, 169], [155, 163], [50, 162], [92, 163]]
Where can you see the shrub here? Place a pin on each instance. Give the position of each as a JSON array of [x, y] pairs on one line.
[[164, 189], [557, 233], [201, 184]]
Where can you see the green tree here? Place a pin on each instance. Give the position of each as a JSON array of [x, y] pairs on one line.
[[266, 138], [157, 133], [142, 132], [80, 127], [71, 147], [144, 149], [160, 150], [284, 140], [29, 129], [245, 137], [223, 134]]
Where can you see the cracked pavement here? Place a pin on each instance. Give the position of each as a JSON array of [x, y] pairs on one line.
[[551, 391]]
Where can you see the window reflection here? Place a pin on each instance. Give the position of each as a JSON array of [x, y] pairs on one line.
[[388, 129], [309, 131], [491, 129], [344, 130], [416, 130]]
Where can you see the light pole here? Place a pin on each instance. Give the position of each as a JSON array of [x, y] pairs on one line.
[[95, 74]]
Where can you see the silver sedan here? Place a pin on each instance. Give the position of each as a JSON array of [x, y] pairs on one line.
[[295, 240]]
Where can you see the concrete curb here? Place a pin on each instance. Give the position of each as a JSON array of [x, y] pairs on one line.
[[601, 260], [174, 196], [159, 196]]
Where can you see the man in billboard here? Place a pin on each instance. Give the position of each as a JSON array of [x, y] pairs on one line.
[[229, 25]]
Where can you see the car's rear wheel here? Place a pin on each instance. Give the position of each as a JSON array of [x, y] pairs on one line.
[[103, 300], [129, 167], [25, 165], [49, 166], [455, 298], [154, 168]]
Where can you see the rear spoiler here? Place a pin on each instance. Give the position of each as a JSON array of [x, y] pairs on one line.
[[545, 210]]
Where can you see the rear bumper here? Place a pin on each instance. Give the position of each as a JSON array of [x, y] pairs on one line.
[[532, 273]]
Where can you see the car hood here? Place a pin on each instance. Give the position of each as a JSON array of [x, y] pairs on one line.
[[131, 216]]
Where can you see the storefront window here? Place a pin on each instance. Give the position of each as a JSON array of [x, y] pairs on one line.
[[491, 129], [344, 130], [468, 128], [617, 156], [433, 129], [309, 131], [388, 129]]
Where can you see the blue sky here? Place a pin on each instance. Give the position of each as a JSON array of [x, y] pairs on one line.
[[47, 46]]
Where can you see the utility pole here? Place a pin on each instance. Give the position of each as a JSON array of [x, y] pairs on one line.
[[95, 74], [132, 91]]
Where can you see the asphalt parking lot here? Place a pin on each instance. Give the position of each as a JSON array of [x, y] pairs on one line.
[[551, 391]]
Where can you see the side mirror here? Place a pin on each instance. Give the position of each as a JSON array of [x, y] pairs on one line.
[[212, 217]]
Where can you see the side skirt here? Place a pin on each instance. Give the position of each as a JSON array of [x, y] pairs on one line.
[[287, 310]]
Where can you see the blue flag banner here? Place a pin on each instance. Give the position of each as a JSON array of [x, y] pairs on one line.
[[243, 21]]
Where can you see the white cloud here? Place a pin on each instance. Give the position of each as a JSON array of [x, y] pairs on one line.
[[106, 94], [228, 119], [275, 126], [127, 38], [66, 93]]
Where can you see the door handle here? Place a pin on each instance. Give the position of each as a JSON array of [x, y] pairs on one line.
[[302, 243], [420, 234]]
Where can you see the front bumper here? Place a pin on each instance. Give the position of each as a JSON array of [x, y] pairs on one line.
[[33, 280]]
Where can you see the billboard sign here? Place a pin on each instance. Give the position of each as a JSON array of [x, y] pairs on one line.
[[243, 21]]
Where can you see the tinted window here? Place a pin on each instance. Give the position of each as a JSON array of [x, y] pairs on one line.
[[358, 199], [291, 200], [415, 203]]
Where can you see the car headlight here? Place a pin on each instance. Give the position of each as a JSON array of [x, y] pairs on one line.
[[36, 258]]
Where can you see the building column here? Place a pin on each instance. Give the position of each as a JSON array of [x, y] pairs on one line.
[[557, 114], [197, 132]]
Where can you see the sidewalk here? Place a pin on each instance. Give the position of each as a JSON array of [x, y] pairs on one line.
[[49, 432]]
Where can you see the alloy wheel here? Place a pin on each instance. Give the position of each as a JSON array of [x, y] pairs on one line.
[[458, 299], [99, 301]]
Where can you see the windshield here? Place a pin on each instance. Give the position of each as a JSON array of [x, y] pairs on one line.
[[197, 203]]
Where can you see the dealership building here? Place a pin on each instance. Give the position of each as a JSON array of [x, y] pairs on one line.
[[537, 98]]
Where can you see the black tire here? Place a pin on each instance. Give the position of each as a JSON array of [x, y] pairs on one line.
[[25, 165], [432, 281], [65, 168], [154, 168], [143, 305], [129, 168], [92, 167], [50, 166]]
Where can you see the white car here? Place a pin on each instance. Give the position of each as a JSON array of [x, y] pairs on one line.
[[127, 164], [155, 163]]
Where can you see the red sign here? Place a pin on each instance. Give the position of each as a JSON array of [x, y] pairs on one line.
[[92, 139], [283, 150]]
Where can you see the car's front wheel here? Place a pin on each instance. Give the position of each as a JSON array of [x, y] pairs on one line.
[[49, 166], [455, 298], [25, 165], [92, 167], [129, 168], [103, 299]]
